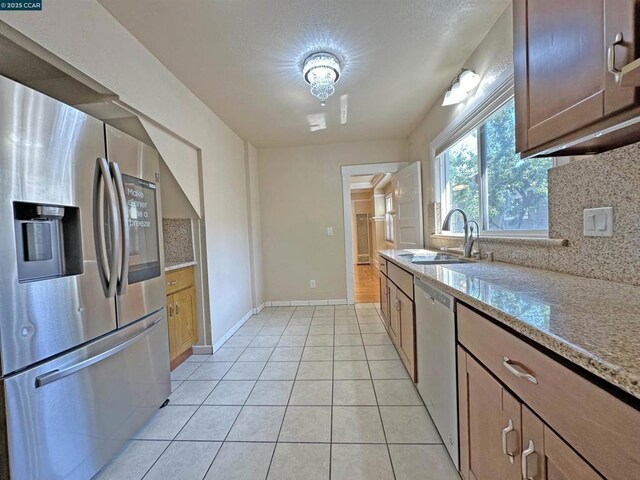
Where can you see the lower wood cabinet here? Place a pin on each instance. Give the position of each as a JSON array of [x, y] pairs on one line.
[[546, 456], [398, 314], [500, 438], [490, 426], [384, 298], [181, 312]]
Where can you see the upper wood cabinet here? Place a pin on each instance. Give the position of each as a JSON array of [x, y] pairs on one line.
[[566, 53]]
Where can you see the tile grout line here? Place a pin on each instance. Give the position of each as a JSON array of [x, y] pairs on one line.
[[375, 393], [241, 408], [284, 416]]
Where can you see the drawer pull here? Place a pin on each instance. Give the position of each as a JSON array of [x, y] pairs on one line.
[[172, 282], [507, 364], [506, 431], [525, 461]]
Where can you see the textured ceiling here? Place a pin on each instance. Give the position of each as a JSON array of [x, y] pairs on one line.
[[242, 58]]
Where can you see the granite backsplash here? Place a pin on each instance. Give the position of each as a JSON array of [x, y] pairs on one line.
[[178, 240], [610, 179]]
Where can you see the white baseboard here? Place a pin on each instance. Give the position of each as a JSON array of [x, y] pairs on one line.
[[256, 311], [306, 303], [202, 349], [232, 330]]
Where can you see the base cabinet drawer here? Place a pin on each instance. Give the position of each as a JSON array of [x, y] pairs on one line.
[[600, 427], [177, 280]]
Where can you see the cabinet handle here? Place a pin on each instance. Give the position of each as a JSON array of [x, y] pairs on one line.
[[506, 431], [398, 305], [611, 57], [525, 460], [507, 364], [173, 282], [177, 309], [171, 310]]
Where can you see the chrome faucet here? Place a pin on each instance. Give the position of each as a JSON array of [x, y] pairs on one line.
[[468, 246], [468, 242]]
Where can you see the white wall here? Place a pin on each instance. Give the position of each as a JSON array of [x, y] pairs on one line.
[[85, 35], [492, 58], [300, 196]]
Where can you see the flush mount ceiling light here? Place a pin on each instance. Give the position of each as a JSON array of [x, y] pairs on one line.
[[321, 70], [464, 83]]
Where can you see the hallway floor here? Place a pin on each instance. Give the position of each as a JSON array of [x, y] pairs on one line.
[[366, 284], [297, 393]]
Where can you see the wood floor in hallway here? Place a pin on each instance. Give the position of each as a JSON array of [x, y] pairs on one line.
[[366, 283]]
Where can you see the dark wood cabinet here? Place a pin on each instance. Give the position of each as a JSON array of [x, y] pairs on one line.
[[567, 96]]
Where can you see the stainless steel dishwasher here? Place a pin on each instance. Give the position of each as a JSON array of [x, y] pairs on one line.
[[436, 352]]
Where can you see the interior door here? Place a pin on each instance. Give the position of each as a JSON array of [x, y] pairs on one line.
[[141, 289], [409, 231]]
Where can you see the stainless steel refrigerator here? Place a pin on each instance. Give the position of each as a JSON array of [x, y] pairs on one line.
[[83, 330]]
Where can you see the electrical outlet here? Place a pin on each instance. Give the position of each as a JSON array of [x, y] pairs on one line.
[[312, 283], [329, 231]]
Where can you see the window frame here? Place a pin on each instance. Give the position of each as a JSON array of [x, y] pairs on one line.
[[483, 113]]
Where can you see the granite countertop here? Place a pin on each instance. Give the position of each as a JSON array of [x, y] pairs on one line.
[[594, 324], [177, 266]]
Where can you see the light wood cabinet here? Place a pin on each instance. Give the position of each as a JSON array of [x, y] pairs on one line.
[[384, 298], [546, 456], [181, 313], [564, 90], [407, 327], [398, 312], [502, 438], [489, 425]]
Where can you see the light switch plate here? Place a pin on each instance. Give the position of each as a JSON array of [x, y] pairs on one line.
[[598, 222], [329, 231]]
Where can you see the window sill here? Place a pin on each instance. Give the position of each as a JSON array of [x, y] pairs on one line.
[[524, 241]]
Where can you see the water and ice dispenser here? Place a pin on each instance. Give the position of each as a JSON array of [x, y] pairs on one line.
[[48, 241]]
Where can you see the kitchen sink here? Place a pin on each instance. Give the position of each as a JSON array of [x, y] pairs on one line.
[[433, 259]]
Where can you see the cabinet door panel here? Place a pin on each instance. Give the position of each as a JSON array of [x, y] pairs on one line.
[[621, 17], [488, 409], [172, 328], [394, 314], [407, 332], [551, 458], [384, 299], [565, 66], [185, 318]]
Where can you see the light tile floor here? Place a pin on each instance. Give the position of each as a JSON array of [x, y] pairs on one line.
[[297, 393]]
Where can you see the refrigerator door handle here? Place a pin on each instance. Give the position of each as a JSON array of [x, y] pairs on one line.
[[55, 375], [124, 226], [107, 266]]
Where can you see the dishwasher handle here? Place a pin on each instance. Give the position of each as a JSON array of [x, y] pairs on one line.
[[433, 294]]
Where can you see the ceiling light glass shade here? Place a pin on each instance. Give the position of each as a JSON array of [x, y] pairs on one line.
[[321, 71], [469, 80], [455, 94]]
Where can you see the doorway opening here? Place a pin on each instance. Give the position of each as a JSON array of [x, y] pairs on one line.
[[366, 231]]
